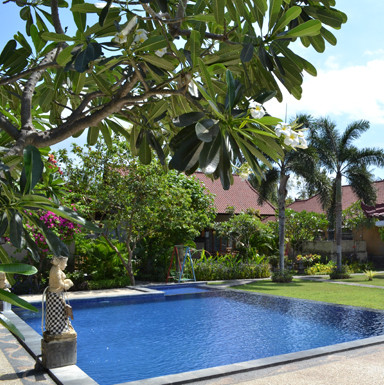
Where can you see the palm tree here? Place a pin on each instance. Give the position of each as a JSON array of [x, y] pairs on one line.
[[301, 162], [340, 158]]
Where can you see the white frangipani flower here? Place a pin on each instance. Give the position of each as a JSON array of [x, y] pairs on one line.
[[161, 52], [141, 36], [257, 112], [292, 139], [283, 129], [302, 141], [121, 37]]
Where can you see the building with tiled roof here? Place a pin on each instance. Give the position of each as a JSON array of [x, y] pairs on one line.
[[374, 244], [241, 196], [348, 198]]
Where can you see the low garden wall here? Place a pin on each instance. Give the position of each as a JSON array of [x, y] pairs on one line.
[[329, 249]]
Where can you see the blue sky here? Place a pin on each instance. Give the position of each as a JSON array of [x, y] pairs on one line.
[[350, 81]]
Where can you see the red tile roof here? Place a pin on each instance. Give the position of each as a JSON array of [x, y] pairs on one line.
[[241, 195], [313, 204]]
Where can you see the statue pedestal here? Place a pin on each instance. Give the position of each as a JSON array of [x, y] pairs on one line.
[[59, 350]]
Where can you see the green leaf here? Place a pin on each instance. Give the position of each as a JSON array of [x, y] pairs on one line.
[[309, 28], [104, 12], [16, 229], [159, 62], [65, 56], [92, 52], [13, 299], [32, 170], [85, 8], [11, 326], [106, 134], [329, 16], [103, 84], [18, 268], [118, 129], [274, 10], [3, 224], [329, 36], [206, 78], [247, 52], [291, 14], [58, 37], [145, 154], [79, 18], [9, 48], [230, 97], [209, 157], [195, 46], [157, 109], [218, 10], [93, 134], [152, 44]]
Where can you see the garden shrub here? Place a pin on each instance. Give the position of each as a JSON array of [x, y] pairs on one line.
[[109, 283], [344, 273], [320, 268], [282, 277], [229, 267]]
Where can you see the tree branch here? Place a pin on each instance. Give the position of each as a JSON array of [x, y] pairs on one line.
[[29, 89], [56, 17], [8, 127], [11, 79]]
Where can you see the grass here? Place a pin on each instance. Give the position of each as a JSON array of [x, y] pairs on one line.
[[378, 280], [372, 298]]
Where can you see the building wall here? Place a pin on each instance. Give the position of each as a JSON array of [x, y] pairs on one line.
[[375, 246], [328, 248]]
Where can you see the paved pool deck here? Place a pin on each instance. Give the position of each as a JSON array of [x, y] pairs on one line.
[[359, 362]]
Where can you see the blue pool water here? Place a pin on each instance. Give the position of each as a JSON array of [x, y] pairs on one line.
[[120, 340]]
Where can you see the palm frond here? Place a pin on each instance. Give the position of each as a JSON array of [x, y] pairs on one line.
[[353, 132]]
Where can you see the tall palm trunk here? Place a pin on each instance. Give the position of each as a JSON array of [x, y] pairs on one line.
[[281, 203], [338, 220]]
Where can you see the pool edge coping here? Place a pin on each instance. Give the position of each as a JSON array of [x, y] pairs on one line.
[[73, 375]]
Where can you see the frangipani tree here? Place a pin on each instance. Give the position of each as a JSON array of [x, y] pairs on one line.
[[182, 74]]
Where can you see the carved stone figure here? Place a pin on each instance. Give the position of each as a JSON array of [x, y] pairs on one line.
[[57, 321], [4, 284]]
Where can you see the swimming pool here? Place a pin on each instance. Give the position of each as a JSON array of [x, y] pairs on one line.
[[122, 339]]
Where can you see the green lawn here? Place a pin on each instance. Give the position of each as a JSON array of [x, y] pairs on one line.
[[378, 280], [322, 291]]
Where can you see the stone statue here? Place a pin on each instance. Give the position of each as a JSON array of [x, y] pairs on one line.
[[4, 284], [57, 321]]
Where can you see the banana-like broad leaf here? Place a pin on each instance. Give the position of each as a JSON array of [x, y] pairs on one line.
[[11, 326], [13, 299], [32, 170], [18, 268]]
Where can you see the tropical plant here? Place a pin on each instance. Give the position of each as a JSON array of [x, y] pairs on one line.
[[226, 267], [301, 161], [342, 159], [249, 235], [282, 276], [136, 203], [370, 274], [170, 76], [15, 268], [304, 226]]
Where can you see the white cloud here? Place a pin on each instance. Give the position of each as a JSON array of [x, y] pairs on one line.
[[355, 91]]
